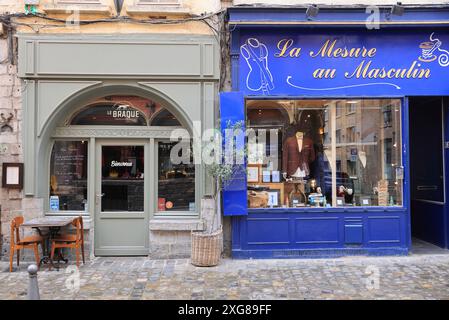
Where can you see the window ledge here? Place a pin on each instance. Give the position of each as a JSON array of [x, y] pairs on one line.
[[177, 225], [157, 9], [84, 8]]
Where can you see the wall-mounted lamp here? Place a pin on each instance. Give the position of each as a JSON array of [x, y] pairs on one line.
[[397, 9], [312, 11]]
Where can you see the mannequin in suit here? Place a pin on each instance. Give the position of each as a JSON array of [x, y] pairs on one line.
[[298, 153], [298, 149]]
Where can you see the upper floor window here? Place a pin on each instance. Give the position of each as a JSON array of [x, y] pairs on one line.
[[124, 110], [78, 1], [350, 134], [351, 106], [161, 2]]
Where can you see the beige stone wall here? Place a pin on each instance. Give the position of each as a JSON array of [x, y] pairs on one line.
[[10, 136], [11, 6]]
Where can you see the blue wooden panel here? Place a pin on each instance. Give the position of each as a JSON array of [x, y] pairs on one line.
[[353, 234], [316, 230], [266, 231], [385, 230], [272, 233], [234, 192]]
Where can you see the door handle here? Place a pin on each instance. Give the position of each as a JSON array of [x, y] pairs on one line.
[[97, 198]]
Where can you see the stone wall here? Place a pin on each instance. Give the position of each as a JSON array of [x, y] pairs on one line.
[[169, 244], [10, 136]]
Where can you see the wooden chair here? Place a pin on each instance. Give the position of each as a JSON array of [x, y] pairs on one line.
[[17, 244], [72, 241]]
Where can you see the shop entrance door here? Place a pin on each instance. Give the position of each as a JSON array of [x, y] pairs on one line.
[[122, 213], [428, 171]]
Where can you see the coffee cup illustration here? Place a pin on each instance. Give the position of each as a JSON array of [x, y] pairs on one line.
[[427, 50]]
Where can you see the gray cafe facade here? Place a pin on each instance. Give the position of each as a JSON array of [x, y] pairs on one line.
[[98, 116]]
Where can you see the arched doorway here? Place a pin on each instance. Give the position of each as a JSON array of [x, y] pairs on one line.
[[114, 159]]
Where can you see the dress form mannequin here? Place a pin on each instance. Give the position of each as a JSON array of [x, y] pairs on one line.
[[300, 172]]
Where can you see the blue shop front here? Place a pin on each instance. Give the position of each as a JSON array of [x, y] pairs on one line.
[[346, 128]]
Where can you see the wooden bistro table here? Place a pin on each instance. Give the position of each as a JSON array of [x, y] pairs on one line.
[[54, 225]]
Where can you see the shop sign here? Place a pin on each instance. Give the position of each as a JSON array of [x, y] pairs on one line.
[[123, 111], [341, 63], [121, 164], [54, 203]]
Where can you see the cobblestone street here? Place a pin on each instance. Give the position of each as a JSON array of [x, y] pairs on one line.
[[419, 276]]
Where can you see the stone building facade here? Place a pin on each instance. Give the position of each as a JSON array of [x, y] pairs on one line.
[[168, 238], [190, 95]]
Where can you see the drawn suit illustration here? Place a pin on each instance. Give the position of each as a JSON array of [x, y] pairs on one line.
[[256, 56]]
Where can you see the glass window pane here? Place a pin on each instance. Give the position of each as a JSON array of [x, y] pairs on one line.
[[124, 110], [370, 154], [164, 118], [110, 114], [324, 153], [122, 184], [176, 177], [68, 176]]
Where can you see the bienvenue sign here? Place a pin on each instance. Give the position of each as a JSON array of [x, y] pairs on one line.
[[369, 63]]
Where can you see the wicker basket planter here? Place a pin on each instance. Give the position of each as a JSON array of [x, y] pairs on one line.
[[206, 248]]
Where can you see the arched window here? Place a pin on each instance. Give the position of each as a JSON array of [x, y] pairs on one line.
[[164, 118], [110, 114], [124, 110]]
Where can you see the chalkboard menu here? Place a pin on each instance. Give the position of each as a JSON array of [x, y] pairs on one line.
[[68, 174]]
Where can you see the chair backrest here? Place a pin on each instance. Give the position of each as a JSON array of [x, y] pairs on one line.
[[15, 234], [78, 224]]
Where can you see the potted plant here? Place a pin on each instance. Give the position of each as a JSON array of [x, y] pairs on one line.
[[207, 245]]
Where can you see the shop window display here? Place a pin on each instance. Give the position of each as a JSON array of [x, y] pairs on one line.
[[324, 153]]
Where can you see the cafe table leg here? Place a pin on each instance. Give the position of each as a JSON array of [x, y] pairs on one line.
[[45, 252], [53, 233]]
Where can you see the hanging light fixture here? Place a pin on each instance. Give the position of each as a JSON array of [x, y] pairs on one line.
[[397, 9]]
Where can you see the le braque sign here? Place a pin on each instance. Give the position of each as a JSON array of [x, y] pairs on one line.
[[123, 111], [369, 63]]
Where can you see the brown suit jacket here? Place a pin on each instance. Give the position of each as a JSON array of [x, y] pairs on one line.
[[292, 159]]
